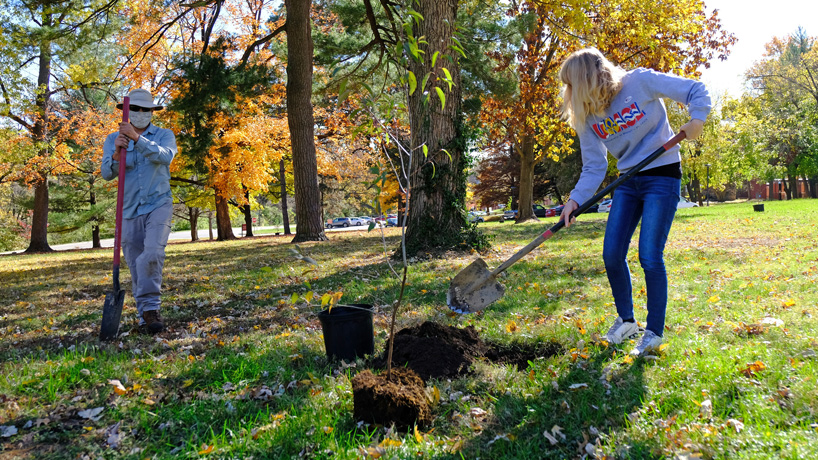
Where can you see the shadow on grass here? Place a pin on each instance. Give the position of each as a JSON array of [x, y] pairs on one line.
[[575, 412]]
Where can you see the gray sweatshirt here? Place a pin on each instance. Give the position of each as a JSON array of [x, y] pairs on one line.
[[635, 125]]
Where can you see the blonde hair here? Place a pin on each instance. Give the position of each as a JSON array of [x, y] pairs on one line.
[[591, 81]]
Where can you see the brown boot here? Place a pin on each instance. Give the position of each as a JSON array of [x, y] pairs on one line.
[[153, 321]]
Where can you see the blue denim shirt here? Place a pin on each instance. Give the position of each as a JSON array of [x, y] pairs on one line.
[[147, 169]]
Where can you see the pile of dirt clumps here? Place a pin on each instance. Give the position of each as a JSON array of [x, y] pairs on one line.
[[437, 351], [401, 400], [423, 352]]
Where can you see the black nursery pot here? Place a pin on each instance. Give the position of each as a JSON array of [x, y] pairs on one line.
[[348, 331]]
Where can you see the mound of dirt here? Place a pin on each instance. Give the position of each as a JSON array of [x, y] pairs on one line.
[[437, 351], [430, 350]]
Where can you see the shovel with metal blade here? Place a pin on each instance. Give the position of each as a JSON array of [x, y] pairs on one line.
[[476, 287], [112, 310]]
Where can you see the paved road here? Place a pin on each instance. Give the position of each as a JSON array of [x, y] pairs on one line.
[[179, 236]]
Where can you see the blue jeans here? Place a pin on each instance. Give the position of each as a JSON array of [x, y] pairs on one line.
[[143, 241], [653, 199]]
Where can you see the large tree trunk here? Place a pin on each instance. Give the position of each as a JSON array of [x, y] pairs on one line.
[[224, 229], [285, 211], [438, 186], [526, 190], [309, 226], [39, 218]]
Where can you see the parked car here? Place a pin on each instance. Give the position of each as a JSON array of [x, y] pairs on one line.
[[558, 210], [367, 220], [605, 206], [685, 203], [538, 210], [345, 222], [392, 221]]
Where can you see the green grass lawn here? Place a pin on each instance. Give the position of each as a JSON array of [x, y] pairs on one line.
[[241, 372]]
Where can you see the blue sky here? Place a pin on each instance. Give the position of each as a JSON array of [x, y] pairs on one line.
[[755, 23]]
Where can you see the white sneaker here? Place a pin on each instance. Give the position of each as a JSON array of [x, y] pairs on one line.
[[621, 331], [649, 342]]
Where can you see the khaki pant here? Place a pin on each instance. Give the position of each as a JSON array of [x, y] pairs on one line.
[[143, 241]]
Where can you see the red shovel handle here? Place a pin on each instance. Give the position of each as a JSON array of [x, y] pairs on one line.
[[120, 191]]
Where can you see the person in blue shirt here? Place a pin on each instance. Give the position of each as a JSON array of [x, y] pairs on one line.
[[147, 204]]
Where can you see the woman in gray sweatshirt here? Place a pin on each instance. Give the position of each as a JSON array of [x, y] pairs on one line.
[[622, 113]]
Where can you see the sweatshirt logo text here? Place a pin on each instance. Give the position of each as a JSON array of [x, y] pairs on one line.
[[619, 121]]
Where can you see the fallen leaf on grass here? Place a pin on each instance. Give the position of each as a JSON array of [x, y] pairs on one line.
[[578, 386], [374, 452], [736, 424], [7, 431], [556, 431], [118, 387], [91, 414], [477, 412], [504, 436], [752, 368], [772, 321], [206, 449], [706, 409], [114, 437], [388, 442]]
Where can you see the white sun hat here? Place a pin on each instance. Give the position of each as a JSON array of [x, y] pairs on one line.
[[142, 98]]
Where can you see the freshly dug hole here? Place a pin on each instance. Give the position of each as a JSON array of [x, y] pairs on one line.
[[437, 351]]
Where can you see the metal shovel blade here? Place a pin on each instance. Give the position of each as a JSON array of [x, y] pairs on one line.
[[111, 314], [473, 289]]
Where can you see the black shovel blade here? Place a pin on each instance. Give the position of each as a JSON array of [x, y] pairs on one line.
[[111, 314]]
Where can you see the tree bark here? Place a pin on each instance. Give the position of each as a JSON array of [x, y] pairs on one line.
[[302, 123], [437, 183], [526, 190], [794, 191], [224, 229], [285, 211], [210, 224], [39, 218], [193, 216], [92, 200], [248, 215], [695, 189]]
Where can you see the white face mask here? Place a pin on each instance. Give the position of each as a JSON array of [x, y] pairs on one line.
[[140, 120]]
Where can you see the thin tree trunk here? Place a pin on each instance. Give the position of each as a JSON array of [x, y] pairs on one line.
[[210, 224], [301, 122], [285, 211], [437, 194], [193, 216], [248, 215], [92, 200], [794, 192], [695, 189]]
